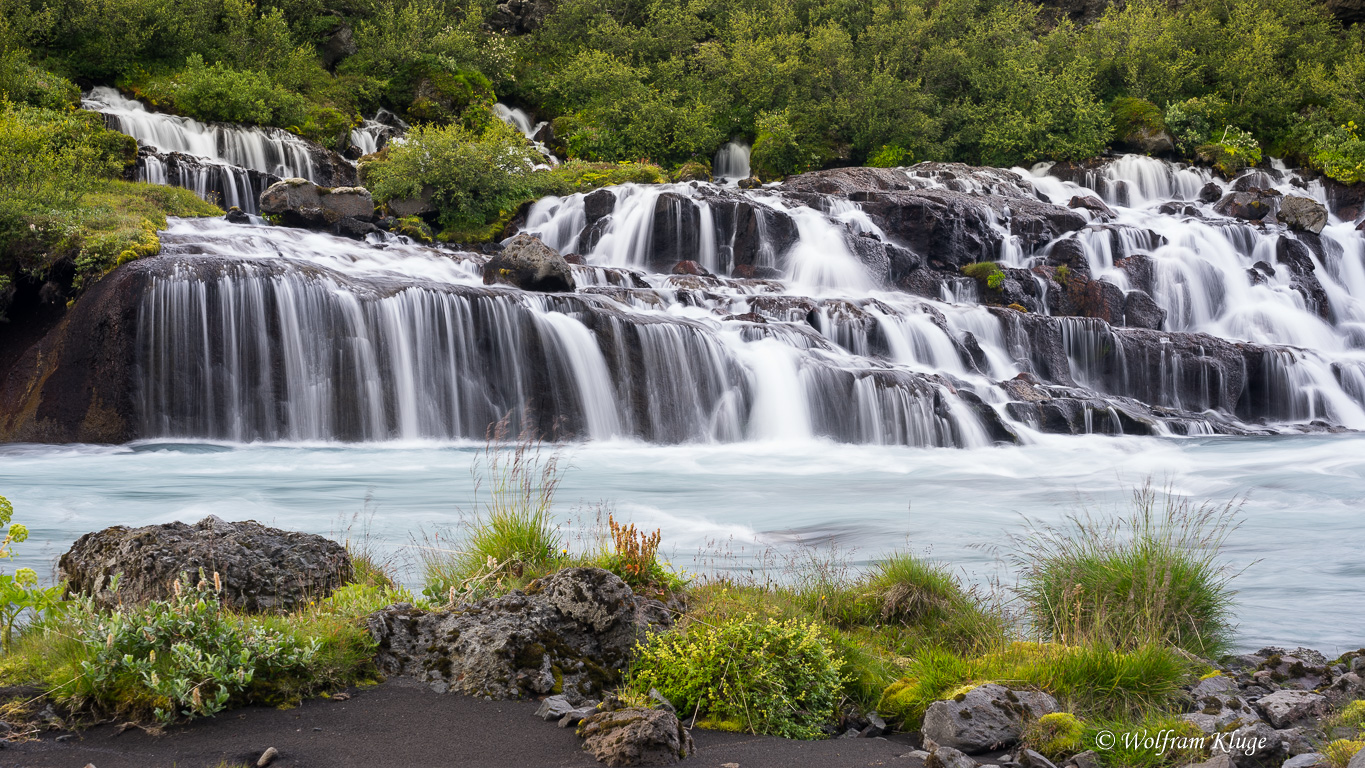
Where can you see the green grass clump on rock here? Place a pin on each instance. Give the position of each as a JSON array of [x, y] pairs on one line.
[[1152, 577], [1091, 680], [512, 537]]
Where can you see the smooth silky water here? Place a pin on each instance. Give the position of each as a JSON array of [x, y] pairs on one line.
[[727, 504], [263, 350]]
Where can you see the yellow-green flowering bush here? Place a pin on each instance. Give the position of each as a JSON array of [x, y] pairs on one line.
[[746, 674]]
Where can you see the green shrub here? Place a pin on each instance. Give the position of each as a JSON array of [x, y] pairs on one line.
[[988, 273], [184, 656], [779, 150], [582, 176], [24, 83], [1340, 153], [476, 179], [746, 674], [19, 591], [1233, 151], [890, 156], [1191, 121], [1152, 577], [218, 92]]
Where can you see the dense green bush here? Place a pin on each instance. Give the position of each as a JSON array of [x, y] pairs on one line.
[[1340, 153], [1232, 151], [217, 92], [180, 657], [810, 82], [745, 674], [475, 179]]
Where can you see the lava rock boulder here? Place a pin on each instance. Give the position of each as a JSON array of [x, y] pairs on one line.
[[636, 736], [296, 202], [529, 264], [570, 633], [985, 718], [260, 569]]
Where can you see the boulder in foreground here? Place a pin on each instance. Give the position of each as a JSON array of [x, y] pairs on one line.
[[261, 569], [570, 633], [346, 211], [985, 718], [636, 736]]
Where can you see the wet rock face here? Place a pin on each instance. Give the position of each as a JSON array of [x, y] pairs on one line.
[[1251, 204], [77, 384], [635, 736], [985, 718], [344, 211], [527, 263], [261, 569], [571, 633], [1302, 213]]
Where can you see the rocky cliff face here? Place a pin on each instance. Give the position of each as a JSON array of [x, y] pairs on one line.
[[77, 384]]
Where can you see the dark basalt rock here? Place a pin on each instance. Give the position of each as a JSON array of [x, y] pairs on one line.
[[529, 264], [1295, 254], [571, 633], [1141, 311], [300, 203], [1251, 204], [77, 384], [259, 568]]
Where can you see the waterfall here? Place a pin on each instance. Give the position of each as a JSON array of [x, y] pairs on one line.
[[732, 162], [224, 163], [257, 333], [268, 150], [517, 118], [710, 313]]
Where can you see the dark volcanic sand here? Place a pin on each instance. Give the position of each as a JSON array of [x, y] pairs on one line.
[[403, 723]]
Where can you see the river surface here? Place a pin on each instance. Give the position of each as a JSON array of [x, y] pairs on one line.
[[740, 505]]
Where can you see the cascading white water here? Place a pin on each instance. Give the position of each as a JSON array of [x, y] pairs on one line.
[[517, 118], [274, 334], [731, 162], [227, 164], [818, 348], [268, 150]]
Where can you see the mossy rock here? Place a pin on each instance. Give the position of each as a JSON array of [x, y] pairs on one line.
[[692, 170], [435, 94], [1056, 735]]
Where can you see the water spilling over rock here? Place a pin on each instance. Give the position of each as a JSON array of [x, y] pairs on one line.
[[226, 163], [936, 305]]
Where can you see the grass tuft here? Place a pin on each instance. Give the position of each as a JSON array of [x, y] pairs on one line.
[[513, 537], [1152, 577]]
